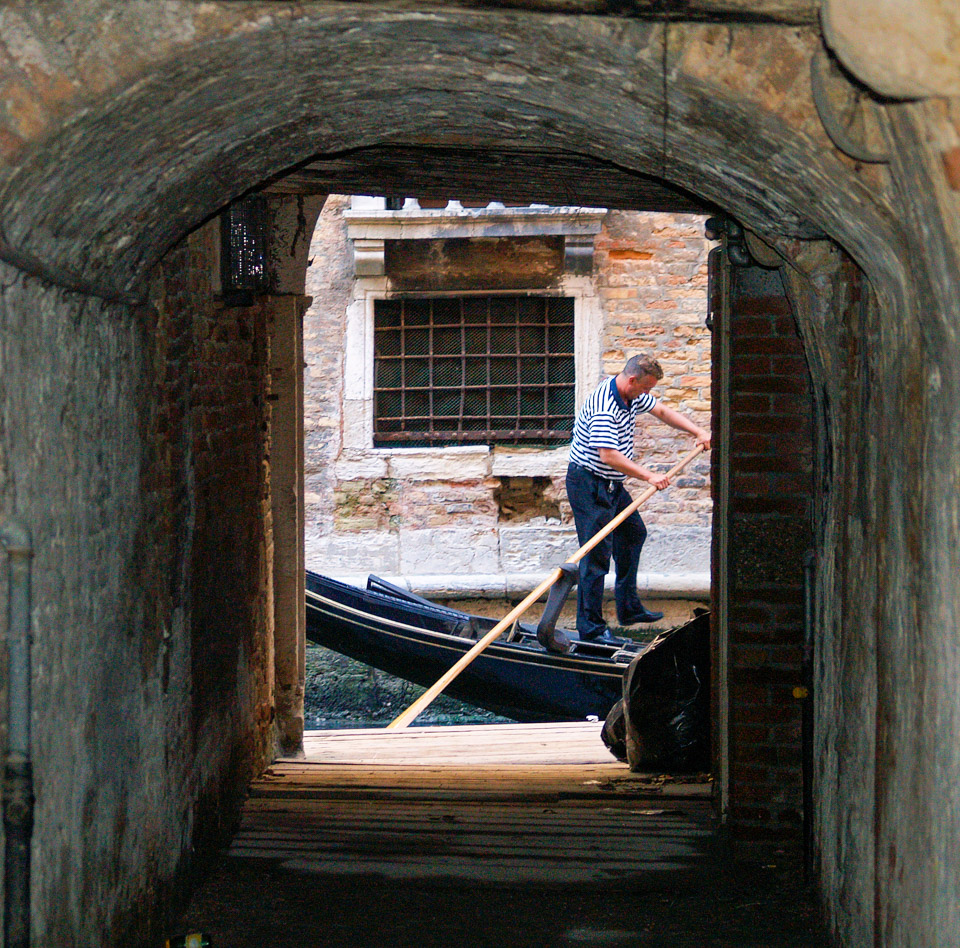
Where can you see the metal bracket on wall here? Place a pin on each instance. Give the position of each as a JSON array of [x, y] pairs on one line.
[[734, 241]]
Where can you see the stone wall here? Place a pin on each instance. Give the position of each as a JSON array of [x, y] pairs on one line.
[[134, 447], [483, 512]]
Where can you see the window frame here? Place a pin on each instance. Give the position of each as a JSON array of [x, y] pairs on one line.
[[432, 432], [357, 439]]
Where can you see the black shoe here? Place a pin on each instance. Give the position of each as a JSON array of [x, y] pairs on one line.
[[606, 637], [644, 615]]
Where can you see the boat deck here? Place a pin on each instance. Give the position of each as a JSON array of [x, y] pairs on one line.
[[474, 836]]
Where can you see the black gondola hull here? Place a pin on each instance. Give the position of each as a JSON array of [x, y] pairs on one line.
[[418, 643]]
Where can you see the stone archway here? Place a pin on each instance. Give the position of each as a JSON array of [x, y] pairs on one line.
[[116, 150]]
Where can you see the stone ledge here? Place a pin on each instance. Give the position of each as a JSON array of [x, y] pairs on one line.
[[370, 225], [693, 586]]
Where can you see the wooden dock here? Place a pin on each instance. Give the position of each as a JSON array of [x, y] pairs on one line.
[[495, 803], [527, 836]]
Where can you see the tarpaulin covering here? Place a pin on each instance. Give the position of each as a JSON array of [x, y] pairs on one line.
[[663, 720]]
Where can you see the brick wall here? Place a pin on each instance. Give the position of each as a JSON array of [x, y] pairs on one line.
[[651, 274], [769, 531], [438, 512], [143, 481], [212, 378]]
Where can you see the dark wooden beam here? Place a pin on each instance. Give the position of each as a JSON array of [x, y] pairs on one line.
[[516, 177]]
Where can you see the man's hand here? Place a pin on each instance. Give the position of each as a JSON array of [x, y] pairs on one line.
[[620, 462], [660, 481], [675, 420]]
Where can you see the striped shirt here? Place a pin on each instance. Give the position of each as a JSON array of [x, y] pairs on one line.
[[606, 421]]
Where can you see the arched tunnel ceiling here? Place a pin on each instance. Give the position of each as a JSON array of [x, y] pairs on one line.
[[104, 197], [524, 177]]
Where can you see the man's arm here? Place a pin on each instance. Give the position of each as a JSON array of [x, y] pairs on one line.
[[620, 462], [675, 420]]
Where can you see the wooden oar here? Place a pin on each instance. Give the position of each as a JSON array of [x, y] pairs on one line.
[[403, 719]]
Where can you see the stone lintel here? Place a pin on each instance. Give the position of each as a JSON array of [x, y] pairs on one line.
[[474, 222]]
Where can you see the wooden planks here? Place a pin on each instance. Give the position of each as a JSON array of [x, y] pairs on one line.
[[468, 745], [478, 842], [496, 804]]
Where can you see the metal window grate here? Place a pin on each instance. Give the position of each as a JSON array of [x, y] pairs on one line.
[[243, 270], [472, 369]]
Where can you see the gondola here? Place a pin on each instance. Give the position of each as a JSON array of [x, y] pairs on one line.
[[417, 640]]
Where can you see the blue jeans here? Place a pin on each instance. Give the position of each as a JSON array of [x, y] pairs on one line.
[[595, 502]]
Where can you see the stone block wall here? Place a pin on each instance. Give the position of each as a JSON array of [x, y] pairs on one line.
[[770, 516], [134, 446], [469, 510]]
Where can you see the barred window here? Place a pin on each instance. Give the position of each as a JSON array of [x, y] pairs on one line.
[[473, 370], [243, 271]]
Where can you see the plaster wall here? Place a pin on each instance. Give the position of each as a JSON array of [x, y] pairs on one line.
[[132, 444]]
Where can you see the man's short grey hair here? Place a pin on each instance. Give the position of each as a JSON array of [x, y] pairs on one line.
[[640, 365]]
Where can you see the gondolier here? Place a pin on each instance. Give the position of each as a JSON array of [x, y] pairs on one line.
[[601, 458]]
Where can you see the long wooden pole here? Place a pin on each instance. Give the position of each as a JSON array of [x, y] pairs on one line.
[[403, 719]]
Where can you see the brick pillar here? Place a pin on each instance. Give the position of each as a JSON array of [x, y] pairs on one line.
[[767, 531]]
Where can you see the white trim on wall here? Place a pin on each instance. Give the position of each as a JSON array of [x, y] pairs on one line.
[[358, 373]]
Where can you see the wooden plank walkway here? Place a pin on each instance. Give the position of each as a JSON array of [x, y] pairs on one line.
[[576, 742], [495, 803], [527, 836]]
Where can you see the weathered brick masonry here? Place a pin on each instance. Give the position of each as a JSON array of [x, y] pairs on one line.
[[213, 392], [161, 423], [504, 510], [771, 488]]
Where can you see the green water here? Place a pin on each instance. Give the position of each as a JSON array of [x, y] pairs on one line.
[[343, 693]]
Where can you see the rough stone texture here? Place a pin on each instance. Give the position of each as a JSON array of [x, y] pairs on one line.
[[225, 94], [650, 274], [326, 319], [133, 446]]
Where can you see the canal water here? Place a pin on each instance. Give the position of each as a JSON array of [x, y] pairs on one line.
[[343, 693]]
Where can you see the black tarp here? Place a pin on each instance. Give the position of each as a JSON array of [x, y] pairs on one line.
[[663, 720]]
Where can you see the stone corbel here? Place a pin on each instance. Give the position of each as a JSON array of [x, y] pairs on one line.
[[578, 254], [368, 257]]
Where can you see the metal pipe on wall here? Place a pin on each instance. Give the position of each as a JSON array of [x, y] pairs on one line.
[[17, 777]]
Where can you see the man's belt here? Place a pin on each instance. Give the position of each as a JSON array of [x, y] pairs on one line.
[[610, 481]]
